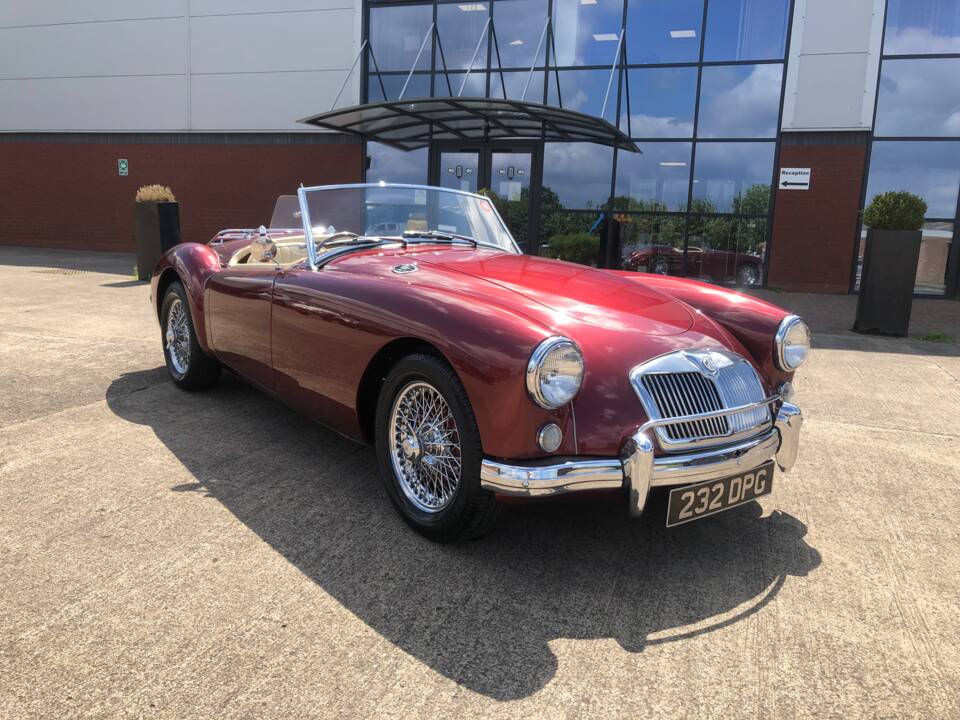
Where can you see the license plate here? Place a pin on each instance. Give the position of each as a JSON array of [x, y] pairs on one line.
[[693, 502]]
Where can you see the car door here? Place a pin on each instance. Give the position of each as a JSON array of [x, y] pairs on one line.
[[239, 313]]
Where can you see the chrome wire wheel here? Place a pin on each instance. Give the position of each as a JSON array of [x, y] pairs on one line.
[[178, 337], [425, 446]]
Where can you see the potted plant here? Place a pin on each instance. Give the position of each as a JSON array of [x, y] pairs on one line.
[[156, 226], [895, 222]]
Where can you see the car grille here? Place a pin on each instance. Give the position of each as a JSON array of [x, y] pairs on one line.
[[675, 386]]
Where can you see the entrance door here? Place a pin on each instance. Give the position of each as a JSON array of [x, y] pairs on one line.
[[506, 171]]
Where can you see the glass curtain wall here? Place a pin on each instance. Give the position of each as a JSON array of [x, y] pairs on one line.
[[916, 143], [698, 85]]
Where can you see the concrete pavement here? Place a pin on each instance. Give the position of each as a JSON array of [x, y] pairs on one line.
[[175, 555]]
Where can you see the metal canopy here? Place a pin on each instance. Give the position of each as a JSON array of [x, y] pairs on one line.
[[412, 124]]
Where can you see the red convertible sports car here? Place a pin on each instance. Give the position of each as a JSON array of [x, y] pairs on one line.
[[478, 372]]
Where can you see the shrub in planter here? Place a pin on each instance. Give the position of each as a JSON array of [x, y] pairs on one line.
[[580, 248], [890, 257], [156, 226]]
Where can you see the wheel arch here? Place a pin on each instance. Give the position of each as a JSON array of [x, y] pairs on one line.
[[368, 391]]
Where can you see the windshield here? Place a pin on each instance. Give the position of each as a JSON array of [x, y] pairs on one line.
[[412, 213]]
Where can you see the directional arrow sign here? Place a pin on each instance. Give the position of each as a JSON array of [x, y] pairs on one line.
[[794, 179]]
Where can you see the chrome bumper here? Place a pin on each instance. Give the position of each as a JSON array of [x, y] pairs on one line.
[[637, 470]]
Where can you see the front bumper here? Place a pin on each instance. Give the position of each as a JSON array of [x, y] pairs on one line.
[[637, 470]]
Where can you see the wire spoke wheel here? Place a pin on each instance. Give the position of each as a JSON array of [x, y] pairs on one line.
[[425, 446], [178, 337]]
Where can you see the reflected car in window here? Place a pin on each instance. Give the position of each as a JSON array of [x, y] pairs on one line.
[[743, 268]]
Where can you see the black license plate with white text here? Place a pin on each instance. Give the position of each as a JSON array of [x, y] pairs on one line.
[[693, 502]]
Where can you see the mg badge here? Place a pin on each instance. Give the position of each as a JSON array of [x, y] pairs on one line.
[[709, 366]]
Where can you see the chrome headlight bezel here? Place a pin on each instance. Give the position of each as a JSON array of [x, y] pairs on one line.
[[788, 326], [535, 365]]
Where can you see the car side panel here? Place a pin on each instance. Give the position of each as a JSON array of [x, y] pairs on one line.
[[328, 325], [239, 310]]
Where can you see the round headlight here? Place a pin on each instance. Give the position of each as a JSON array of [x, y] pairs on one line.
[[555, 372], [792, 343]]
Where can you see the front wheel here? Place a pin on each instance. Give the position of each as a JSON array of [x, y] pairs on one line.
[[659, 266], [748, 275], [189, 366], [428, 448]]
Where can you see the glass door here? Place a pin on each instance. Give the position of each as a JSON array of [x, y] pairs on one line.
[[508, 174], [510, 183], [460, 170]]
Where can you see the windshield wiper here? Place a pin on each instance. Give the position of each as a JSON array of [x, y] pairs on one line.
[[439, 235]]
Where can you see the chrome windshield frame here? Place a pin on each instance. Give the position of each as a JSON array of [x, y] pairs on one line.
[[312, 257]]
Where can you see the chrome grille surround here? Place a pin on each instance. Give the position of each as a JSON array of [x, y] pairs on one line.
[[692, 383]]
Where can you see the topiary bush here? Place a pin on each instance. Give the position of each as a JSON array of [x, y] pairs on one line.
[[581, 248], [895, 211], [155, 193]]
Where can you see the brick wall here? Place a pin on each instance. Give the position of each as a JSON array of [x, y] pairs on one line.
[[62, 192], [814, 231]]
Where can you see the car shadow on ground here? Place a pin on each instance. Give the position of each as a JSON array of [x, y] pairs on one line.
[[480, 613]]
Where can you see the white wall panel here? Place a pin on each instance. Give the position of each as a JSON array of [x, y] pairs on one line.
[[14, 13], [263, 100], [93, 104], [134, 47], [834, 104], [231, 7], [320, 40], [831, 70]]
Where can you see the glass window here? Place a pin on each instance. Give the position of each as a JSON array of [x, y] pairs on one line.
[[396, 33], [740, 101], [929, 169], [663, 31], [652, 243], [577, 174], [519, 24], [419, 87], [733, 177], [396, 166], [586, 33], [746, 30], [476, 85], [583, 91], [662, 102], [573, 237], [459, 27], [922, 27], [726, 250], [515, 83], [919, 97], [657, 180]]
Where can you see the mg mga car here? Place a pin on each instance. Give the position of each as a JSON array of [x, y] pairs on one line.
[[406, 317]]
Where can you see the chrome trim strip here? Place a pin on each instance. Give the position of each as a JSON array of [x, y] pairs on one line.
[[660, 422], [551, 478]]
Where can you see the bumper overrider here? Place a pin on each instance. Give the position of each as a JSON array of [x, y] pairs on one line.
[[637, 469]]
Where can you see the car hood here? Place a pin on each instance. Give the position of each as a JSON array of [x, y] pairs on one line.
[[573, 293]]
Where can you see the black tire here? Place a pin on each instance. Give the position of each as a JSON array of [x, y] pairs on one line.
[[748, 275], [201, 371], [471, 510], [659, 266]]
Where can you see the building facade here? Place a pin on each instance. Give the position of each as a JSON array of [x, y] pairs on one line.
[[729, 101]]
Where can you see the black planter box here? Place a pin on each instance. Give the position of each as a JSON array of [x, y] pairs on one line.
[[886, 282], [156, 229]]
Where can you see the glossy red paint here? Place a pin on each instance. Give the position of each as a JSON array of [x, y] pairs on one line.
[[310, 336]]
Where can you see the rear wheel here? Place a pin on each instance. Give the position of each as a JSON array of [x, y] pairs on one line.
[[189, 366], [428, 447]]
